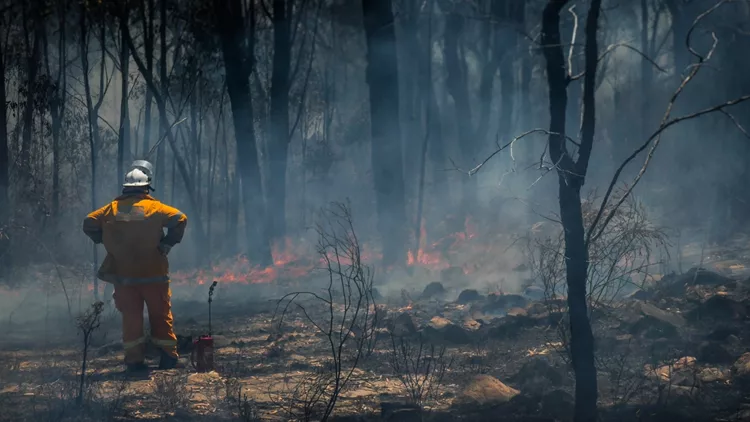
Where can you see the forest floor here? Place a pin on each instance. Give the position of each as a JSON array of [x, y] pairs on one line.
[[678, 351]]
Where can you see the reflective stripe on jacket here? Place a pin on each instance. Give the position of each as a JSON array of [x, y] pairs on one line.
[[132, 228]]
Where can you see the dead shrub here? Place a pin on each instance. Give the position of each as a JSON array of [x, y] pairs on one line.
[[171, 390], [420, 367], [343, 314], [622, 257]]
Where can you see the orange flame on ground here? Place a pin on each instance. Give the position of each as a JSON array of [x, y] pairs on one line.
[[291, 261]]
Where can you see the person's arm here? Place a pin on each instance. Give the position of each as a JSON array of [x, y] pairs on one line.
[[175, 221], [92, 224]]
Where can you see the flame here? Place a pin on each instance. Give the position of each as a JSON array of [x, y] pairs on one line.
[[293, 260]]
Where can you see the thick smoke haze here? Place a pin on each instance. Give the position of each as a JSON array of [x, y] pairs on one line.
[[450, 55]]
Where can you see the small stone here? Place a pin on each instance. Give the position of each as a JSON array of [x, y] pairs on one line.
[[741, 367]]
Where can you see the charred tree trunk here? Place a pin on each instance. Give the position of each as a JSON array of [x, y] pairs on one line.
[[571, 177], [161, 174], [680, 27], [386, 151], [238, 67], [4, 150], [434, 131], [148, 46], [93, 116], [645, 70], [57, 105], [32, 71], [179, 161], [458, 90], [124, 135], [278, 148]]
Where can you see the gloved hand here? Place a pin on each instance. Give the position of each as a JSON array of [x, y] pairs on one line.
[[164, 249]]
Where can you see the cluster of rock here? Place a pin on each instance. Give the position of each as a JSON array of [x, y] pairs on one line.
[[692, 329]]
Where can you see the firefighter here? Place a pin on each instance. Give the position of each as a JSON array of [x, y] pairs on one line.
[[132, 230]]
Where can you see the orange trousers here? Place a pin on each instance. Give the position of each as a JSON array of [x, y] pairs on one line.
[[129, 300]]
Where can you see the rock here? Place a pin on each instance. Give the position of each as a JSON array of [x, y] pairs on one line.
[[538, 374], [653, 328], [718, 308], [501, 303], [403, 325], [707, 375], [652, 322], [722, 334], [469, 295], [439, 322], [472, 325], [714, 353], [652, 311], [440, 329], [639, 294], [516, 312], [485, 390], [401, 412], [741, 367], [510, 326], [433, 290], [675, 285], [704, 277], [680, 372]]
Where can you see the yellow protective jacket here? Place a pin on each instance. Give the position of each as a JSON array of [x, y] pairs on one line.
[[132, 230]]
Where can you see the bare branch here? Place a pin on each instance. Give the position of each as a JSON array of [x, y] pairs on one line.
[[572, 41], [614, 47], [499, 149], [665, 123]]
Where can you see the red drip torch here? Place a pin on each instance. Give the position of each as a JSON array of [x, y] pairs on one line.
[[202, 357]]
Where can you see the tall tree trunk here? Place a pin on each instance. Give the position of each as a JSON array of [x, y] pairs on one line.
[[386, 151], [425, 142], [32, 70], [571, 177], [436, 144], [238, 68], [279, 146], [93, 115], [683, 14], [124, 135], [457, 88], [182, 167], [646, 72], [148, 46], [57, 100], [411, 73], [161, 174], [4, 151]]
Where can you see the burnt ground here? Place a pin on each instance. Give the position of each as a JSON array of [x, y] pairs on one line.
[[677, 351]]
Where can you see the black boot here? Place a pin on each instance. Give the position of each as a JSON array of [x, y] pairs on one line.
[[169, 362]]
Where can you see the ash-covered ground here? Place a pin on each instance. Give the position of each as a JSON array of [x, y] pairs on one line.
[[676, 350]]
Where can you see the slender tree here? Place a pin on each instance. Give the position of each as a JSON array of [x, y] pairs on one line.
[[571, 177], [386, 151], [238, 66]]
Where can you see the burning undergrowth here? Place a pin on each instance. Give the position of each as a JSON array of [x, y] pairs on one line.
[[297, 259]]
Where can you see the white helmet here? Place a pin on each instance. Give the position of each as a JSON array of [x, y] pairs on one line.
[[136, 177]]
